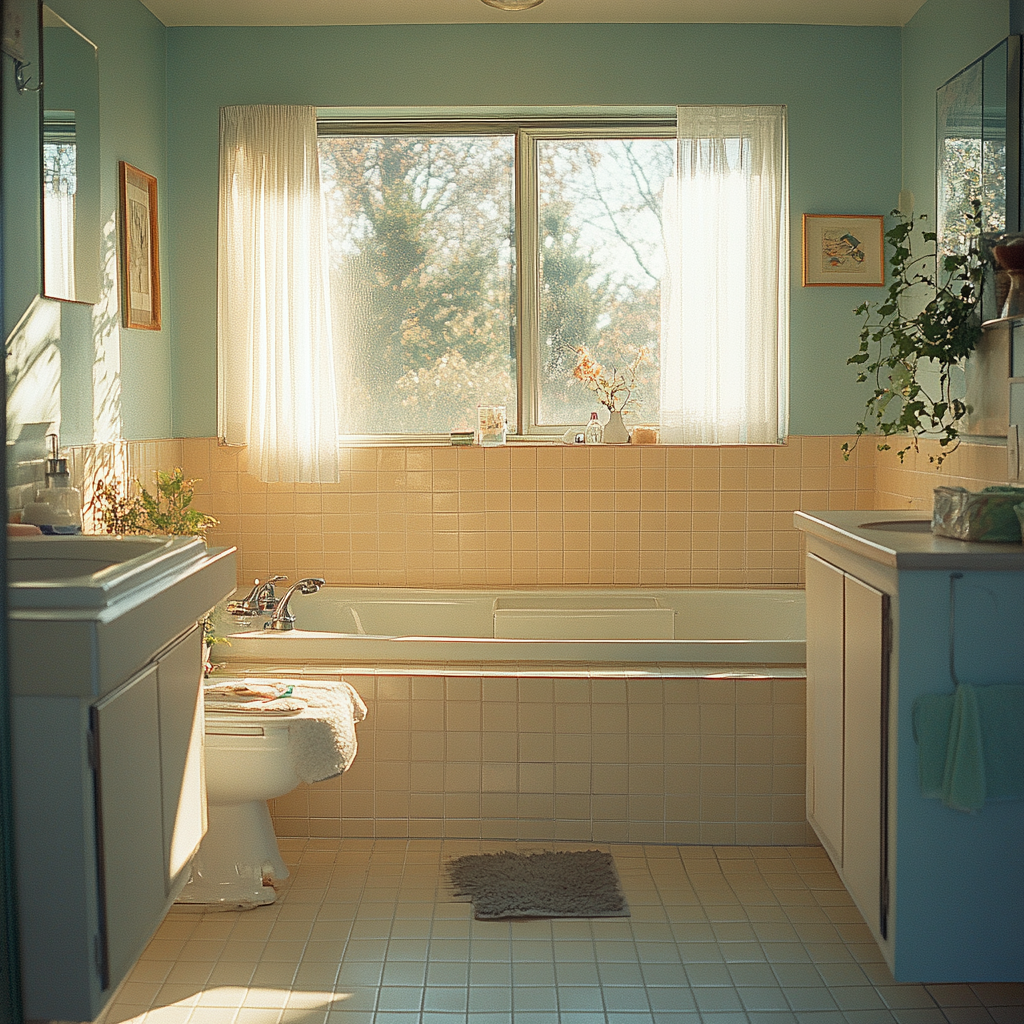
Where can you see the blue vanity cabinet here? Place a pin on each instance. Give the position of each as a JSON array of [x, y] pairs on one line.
[[110, 809], [106, 658], [891, 608]]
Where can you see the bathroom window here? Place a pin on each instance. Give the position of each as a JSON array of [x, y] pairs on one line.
[[444, 298], [422, 265], [407, 270]]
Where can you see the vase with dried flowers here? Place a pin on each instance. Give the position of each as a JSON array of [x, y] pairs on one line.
[[613, 389]]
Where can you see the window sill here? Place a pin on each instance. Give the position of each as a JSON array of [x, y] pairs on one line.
[[513, 441]]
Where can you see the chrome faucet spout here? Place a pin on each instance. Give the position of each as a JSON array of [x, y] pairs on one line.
[[283, 619]]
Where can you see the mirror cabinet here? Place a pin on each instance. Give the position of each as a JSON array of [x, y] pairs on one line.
[[71, 162]]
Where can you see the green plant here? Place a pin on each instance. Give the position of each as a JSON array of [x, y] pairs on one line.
[[118, 511], [168, 511], [210, 639], [897, 346]]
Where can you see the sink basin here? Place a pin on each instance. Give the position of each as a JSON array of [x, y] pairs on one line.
[[90, 571], [900, 525], [87, 612]]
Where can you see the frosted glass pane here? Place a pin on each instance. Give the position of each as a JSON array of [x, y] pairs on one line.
[[422, 268], [602, 263]]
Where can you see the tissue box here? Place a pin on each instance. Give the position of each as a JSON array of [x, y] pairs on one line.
[[986, 515]]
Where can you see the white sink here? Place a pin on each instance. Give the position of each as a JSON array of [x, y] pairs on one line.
[[90, 571], [900, 525], [86, 612]]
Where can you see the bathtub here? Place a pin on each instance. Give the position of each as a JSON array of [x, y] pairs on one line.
[[650, 626]]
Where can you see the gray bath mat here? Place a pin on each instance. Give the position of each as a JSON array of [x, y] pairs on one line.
[[551, 884]]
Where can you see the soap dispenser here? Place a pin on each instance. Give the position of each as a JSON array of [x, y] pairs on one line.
[[57, 509]]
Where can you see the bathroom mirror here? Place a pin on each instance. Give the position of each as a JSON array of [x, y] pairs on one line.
[[978, 156], [71, 162]]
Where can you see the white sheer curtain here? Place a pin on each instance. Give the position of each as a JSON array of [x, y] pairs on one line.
[[59, 244], [276, 382], [724, 339]]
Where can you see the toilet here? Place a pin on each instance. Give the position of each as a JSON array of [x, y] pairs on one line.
[[247, 764], [256, 750]]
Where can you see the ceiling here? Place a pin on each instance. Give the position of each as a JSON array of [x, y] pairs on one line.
[[455, 12]]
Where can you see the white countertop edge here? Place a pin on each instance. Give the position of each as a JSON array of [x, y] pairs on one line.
[[906, 550]]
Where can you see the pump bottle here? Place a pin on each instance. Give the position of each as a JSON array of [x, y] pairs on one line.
[[57, 509]]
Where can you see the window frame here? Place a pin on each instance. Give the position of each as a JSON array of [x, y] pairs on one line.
[[527, 132]]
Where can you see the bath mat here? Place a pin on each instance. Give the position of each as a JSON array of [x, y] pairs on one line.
[[549, 884]]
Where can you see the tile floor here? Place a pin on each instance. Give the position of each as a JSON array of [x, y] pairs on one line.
[[365, 932]]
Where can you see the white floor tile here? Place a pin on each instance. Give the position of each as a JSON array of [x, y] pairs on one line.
[[365, 932]]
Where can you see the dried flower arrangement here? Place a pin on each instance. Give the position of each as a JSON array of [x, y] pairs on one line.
[[609, 389]]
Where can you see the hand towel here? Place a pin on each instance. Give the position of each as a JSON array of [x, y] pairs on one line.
[[963, 775], [971, 745]]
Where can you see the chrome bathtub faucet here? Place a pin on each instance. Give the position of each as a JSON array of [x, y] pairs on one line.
[[282, 619], [260, 600]]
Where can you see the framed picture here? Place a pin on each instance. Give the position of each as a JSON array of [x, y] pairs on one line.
[[843, 250], [140, 250]]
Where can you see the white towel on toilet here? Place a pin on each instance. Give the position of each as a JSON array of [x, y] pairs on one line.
[[322, 738], [322, 718]]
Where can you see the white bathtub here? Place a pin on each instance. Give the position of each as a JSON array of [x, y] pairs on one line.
[[356, 624]]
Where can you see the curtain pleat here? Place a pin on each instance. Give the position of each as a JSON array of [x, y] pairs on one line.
[[724, 341], [277, 391]]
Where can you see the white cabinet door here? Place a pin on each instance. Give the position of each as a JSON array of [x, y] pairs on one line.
[[179, 689], [864, 750], [825, 619]]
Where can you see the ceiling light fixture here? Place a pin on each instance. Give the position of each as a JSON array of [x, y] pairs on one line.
[[513, 5]]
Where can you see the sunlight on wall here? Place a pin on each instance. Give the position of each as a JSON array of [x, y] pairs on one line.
[[106, 367]]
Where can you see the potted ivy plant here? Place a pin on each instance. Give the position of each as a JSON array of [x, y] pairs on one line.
[[913, 354]]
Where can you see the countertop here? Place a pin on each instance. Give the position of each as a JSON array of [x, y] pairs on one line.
[[908, 542]]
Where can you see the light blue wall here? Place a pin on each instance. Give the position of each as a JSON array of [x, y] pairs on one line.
[[21, 177], [842, 87], [861, 115], [114, 382]]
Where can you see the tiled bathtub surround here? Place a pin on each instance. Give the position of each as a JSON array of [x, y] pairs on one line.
[[542, 515], [554, 756], [533, 515], [606, 756]]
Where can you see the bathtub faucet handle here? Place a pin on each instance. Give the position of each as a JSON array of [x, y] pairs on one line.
[[266, 599], [283, 619], [249, 605], [259, 600]]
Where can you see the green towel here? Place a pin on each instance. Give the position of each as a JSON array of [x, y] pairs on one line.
[[971, 745]]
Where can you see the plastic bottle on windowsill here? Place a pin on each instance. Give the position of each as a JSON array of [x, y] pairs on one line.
[[594, 433]]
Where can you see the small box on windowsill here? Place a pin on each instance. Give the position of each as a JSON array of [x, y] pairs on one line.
[[460, 438], [644, 435]]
